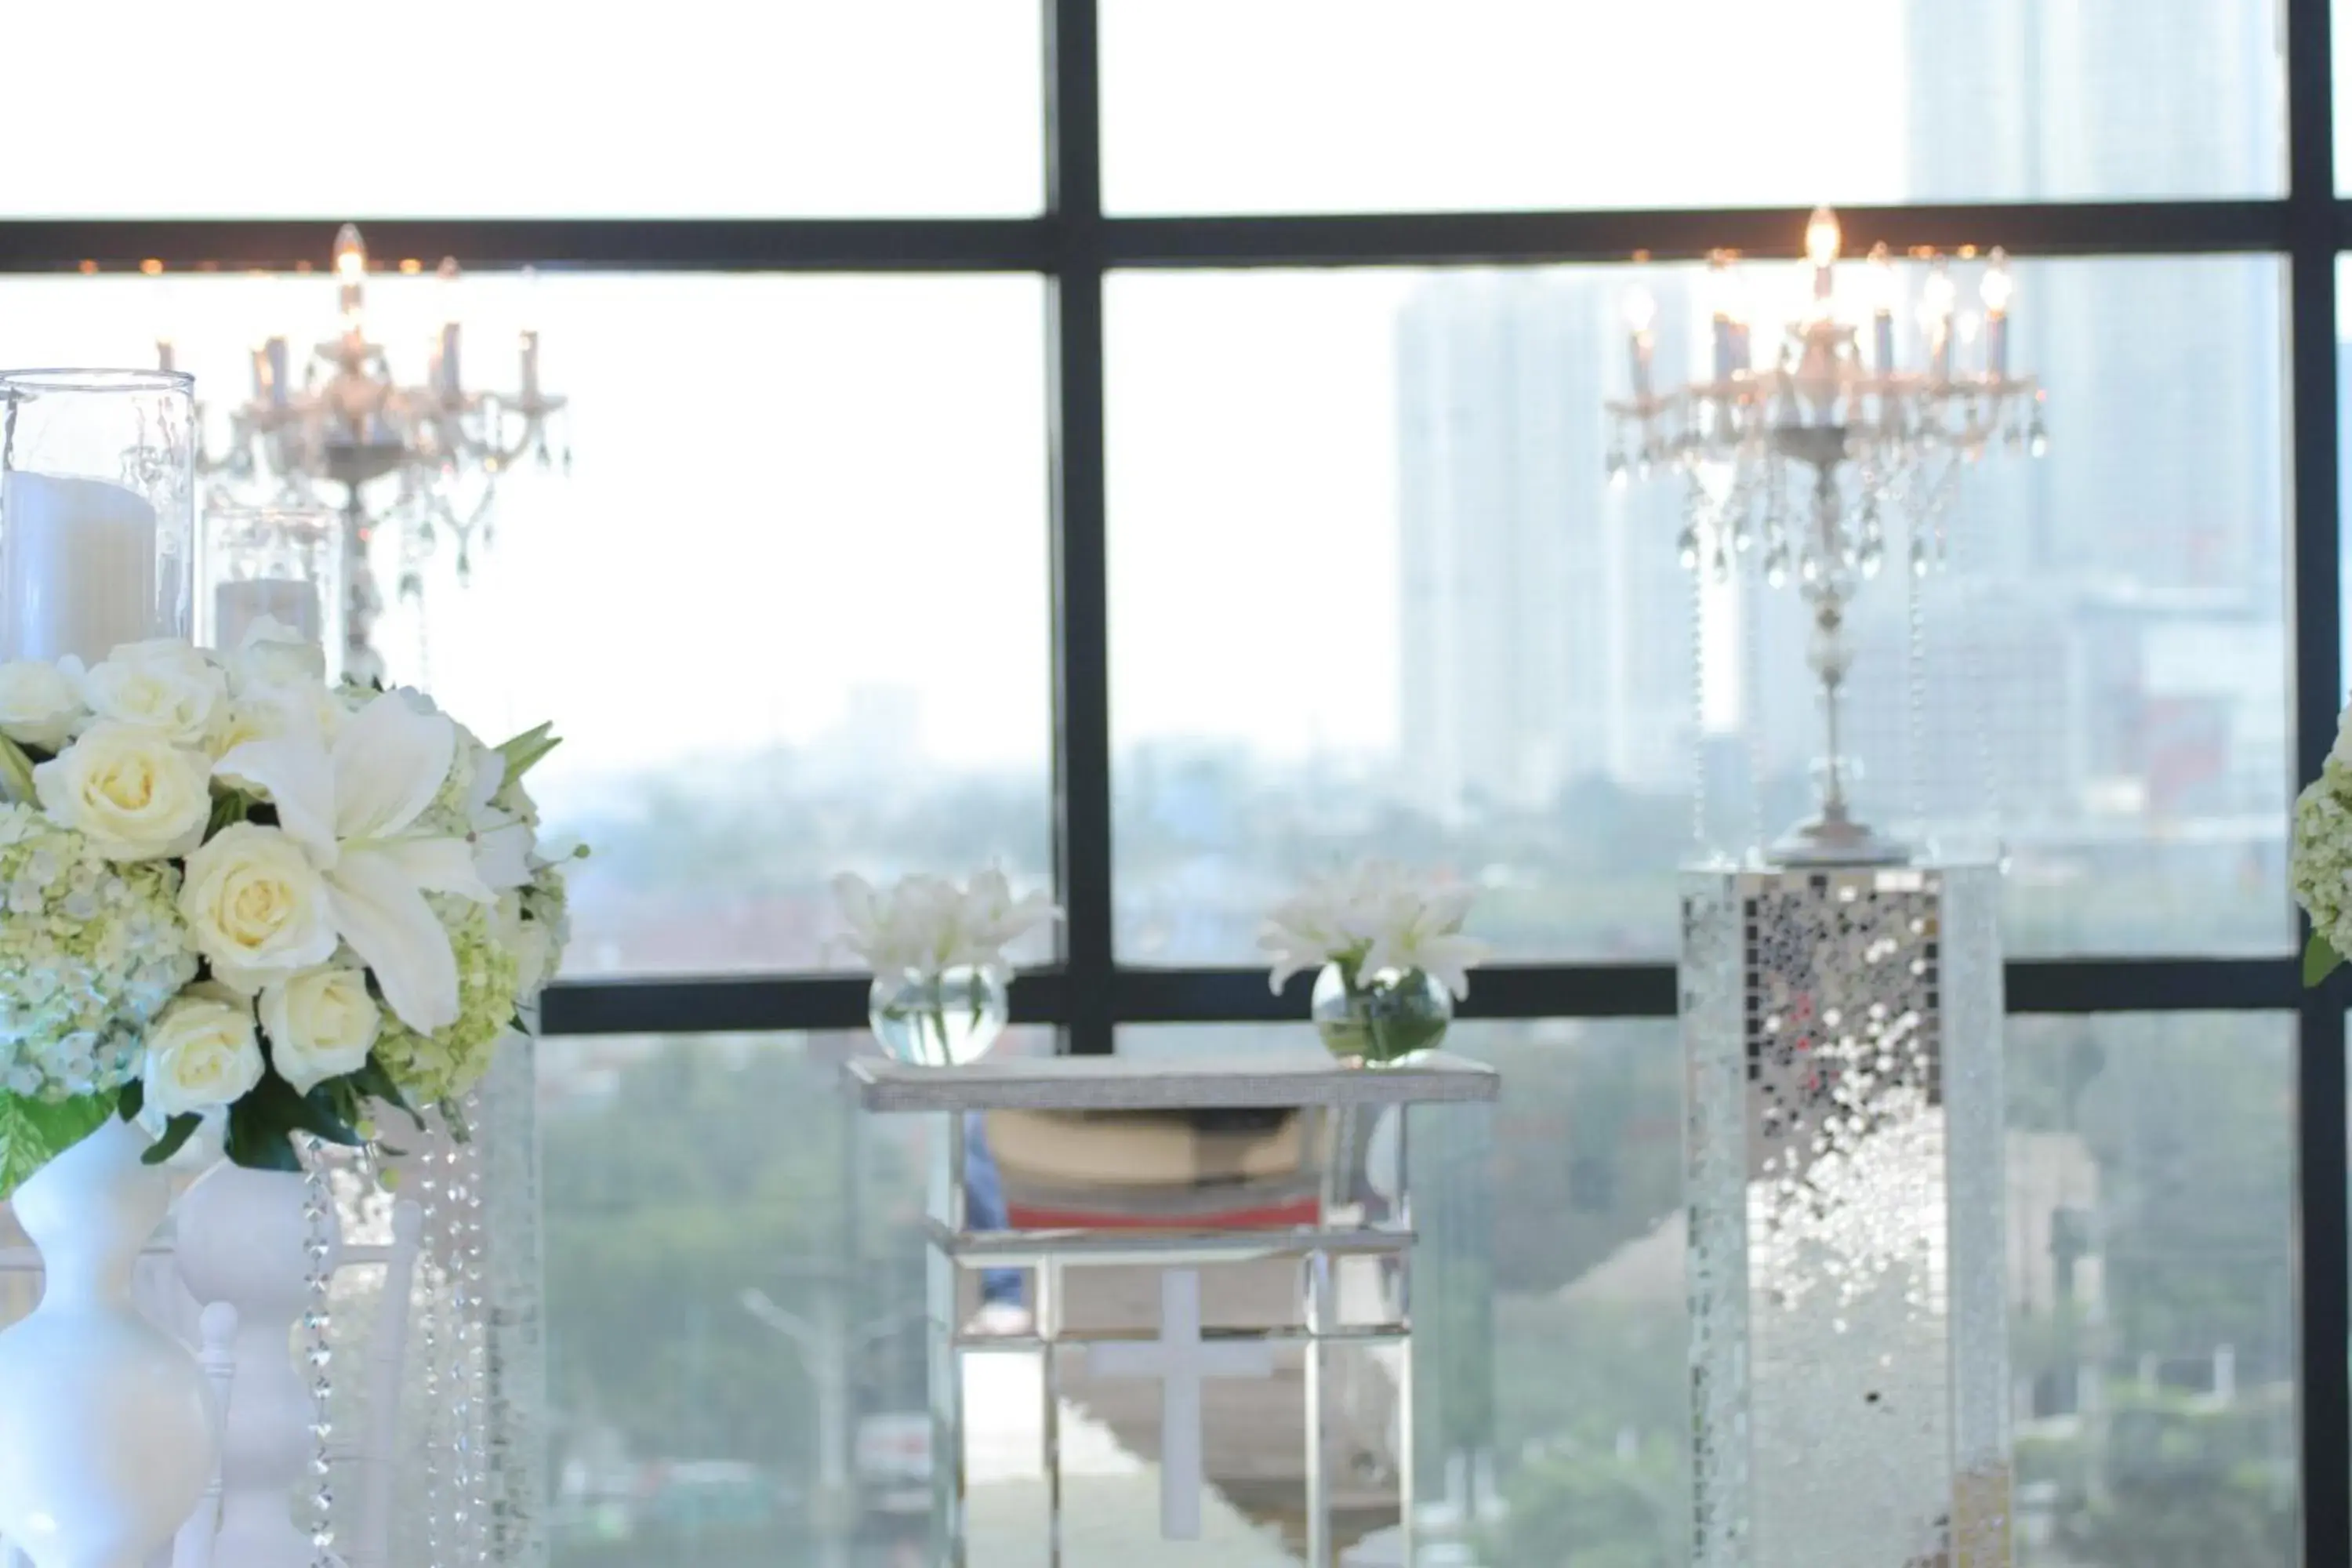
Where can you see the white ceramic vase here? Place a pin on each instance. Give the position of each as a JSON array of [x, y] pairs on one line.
[[242, 1238], [106, 1421]]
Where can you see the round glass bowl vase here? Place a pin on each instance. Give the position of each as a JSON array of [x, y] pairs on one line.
[[942, 1019], [1387, 1019]]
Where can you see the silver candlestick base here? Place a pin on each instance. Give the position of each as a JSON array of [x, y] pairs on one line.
[[1835, 838]]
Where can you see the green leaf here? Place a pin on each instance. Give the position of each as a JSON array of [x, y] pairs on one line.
[[2319, 960], [376, 1084], [319, 1115], [230, 806], [257, 1140], [34, 1132], [16, 771], [524, 752], [176, 1133], [133, 1101]]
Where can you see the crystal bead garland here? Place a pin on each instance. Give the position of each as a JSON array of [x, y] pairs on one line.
[[428, 1353], [1699, 833], [1914, 664], [473, 1535], [317, 1319]]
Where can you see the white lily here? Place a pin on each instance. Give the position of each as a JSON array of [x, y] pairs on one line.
[[353, 806], [1380, 920], [1309, 929], [502, 840], [1423, 931], [928, 924], [992, 919]]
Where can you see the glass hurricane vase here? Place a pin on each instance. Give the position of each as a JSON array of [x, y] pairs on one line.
[[941, 1018], [1383, 1019]]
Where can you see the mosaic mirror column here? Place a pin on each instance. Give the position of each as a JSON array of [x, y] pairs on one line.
[[1847, 1243], [1169, 1307]]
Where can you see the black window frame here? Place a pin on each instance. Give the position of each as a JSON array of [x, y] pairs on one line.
[[1072, 245]]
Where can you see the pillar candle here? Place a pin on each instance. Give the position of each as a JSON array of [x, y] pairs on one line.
[[76, 567], [291, 602]]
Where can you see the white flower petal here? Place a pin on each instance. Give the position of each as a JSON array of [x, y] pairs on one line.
[[489, 773], [859, 908], [436, 866], [502, 852], [379, 912], [389, 761], [294, 772]]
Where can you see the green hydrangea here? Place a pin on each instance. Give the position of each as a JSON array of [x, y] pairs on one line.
[[89, 953], [451, 810], [2321, 866], [446, 1063]]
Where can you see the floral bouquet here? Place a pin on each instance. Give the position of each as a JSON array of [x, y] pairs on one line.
[[231, 889], [1391, 956], [2320, 864], [937, 950]]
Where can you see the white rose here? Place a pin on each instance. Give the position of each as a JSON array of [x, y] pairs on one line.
[[272, 655], [40, 703], [202, 1052], [322, 1023], [135, 794], [256, 907], [268, 713], [162, 685]]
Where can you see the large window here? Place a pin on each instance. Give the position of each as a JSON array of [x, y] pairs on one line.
[[1157, 447]]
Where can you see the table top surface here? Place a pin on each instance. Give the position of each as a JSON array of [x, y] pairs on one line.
[[1145, 1083]]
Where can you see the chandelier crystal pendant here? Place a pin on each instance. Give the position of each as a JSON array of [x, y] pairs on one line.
[[420, 460], [1805, 454]]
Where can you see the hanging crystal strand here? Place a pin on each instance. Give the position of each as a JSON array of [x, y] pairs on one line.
[[431, 1330], [1915, 588], [318, 1247], [1749, 605], [1972, 671], [1700, 850], [474, 1368], [462, 1332]]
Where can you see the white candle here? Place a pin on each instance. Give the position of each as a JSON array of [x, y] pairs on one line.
[[76, 567], [290, 601]]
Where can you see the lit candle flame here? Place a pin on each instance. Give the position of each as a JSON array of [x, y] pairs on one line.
[[1998, 287], [1640, 309], [1823, 237]]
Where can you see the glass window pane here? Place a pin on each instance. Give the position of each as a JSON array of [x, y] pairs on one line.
[[2152, 1280], [1335, 105], [2151, 1259], [1439, 636], [1551, 1395], [681, 1174], [454, 109], [775, 645]]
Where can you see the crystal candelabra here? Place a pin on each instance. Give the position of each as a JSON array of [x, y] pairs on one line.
[[347, 422], [1800, 455]]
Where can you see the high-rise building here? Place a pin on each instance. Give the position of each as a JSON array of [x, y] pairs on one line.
[[1544, 636], [2148, 553]]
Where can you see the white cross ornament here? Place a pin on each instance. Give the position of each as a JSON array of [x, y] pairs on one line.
[[1181, 1359]]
